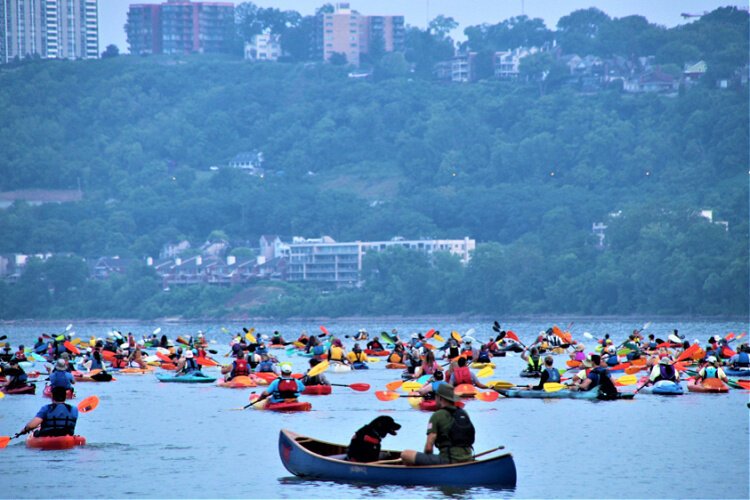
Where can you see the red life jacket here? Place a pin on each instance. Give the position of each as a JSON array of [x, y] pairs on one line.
[[240, 368], [287, 388], [461, 375]]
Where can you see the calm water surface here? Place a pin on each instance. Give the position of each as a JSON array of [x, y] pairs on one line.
[[155, 440]]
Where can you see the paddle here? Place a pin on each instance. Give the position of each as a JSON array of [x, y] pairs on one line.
[[262, 398], [361, 387], [411, 386], [318, 369], [554, 387], [395, 385], [487, 371], [456, 336], [324, 330], [85, 406], [391, 395], [487, 396], [500, 384]]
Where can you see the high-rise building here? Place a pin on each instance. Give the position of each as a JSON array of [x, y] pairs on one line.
[[50, 29], [347, 32], [180, 27]]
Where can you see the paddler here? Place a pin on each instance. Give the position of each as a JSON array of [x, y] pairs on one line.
[[711, 370], [362, 335], [319, 379], [533, 360], [375, 345], [284, 388], [461, 374], [397, 354], [336, 353], [187, 364], [549, 374], [428, 390], [55, 419], [450, 430], [238, 368], [599, 378], [16, 376], [741, 360], [277, 339], [357, 355], [60, 376], [663, 371]]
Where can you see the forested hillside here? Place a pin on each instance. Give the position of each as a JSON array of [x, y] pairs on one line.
[[524, 174]]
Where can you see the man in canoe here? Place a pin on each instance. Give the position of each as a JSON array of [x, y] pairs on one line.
[[284, 388], [55, 419], [450, 429]]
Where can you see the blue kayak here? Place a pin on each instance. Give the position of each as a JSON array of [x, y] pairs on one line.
[[742, 372], [534, 394], [664, 388], [188, 378], [360, 366]]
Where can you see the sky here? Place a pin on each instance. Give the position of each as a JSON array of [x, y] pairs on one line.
[[113, 13]]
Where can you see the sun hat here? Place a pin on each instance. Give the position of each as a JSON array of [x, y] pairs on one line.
[[587, 363], [665, 360], [286, 368], [711, 359], [60, 364], [580, 347], [445, 391]]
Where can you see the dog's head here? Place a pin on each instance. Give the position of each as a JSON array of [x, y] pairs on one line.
[[385, 425]]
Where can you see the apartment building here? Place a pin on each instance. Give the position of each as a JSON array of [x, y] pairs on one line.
[[180, 27], [326, 261], [346, 31], [50, 29], [263, 47]]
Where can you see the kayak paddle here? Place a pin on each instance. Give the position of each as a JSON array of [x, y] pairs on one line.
[[361, 387], [390, 395], [487, 371], [411, 386], [88, 404], [254, 402], [487, 396], [395, 385]]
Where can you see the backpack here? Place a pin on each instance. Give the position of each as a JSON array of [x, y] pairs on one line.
[[462, 431], [607, 389]]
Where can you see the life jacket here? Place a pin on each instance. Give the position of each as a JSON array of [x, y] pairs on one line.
[[612, 360], [484, 357], [60, 421], [336, 354], [191, 366], [468, 353], [96, 361], [666, 372], [453, 351], [535, 365], [553, 373], [461, 375], [59, 379], [287, 389], [711, 372], [20, 356], [355, 357], [395, 357], [265, 366], [743, 360], [119, 363], [429, 369], [375, 345], [318, 351], [607, 389], [240, 368]]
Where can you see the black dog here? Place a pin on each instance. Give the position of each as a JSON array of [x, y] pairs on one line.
[[365, 444]]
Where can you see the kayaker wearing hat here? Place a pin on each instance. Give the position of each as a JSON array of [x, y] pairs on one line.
[[336, 352], [469, 350], [284, 388], [711, 370], [55, 419], [450, 429], [187, 363], [60, 376], [362, 335], [579, 354], [663, 371]]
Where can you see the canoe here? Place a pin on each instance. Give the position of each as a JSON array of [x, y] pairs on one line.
[[664, 388], [284, 406], [719, 387], [373, 352], [563, 394], [24, 389], [189, 378], [530, 374], [55, 442], [47, 392], [479, 365], [313, 459], [395, 366], [237, 383], [340, 367], [317, 390], [742, 372]]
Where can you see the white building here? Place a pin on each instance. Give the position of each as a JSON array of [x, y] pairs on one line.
[[264, 47]]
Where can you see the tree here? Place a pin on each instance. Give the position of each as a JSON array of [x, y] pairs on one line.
[[338, 59], [110, 51]]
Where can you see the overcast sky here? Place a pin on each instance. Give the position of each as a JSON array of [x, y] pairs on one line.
[[113, 13]]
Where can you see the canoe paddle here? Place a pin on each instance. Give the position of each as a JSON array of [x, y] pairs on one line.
[[361, 387], [85, 406], [262, 398]]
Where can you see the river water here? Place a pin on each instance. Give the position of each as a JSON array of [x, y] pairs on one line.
[[154, 440]]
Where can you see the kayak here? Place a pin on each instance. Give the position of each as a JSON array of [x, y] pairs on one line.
[[664, 388], [24, 389], [741, 372], [431, 404], [465, 390], [479, 365], [719, 387], [359, 365], [283, 406], [237, 382], [189, 378], [340, 368], [562, 394], [317, 390], [96, 377], [374, 352], [55, 442], [314, 459], [395, 366], [47, 393], [530, 374], [136, 371], [267, 376]]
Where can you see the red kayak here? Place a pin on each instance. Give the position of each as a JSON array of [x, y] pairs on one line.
[[283, 406], [431, 405], [55, 443], [48, 392], [395, 366], [317, 390], [24, 389], [373, 352], [709, 385]]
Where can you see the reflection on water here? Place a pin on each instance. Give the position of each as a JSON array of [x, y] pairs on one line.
[[153, 440]]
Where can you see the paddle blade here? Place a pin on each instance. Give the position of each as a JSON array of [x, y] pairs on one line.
[[318, 369], [394, 386], [572, 363], [88, 404], [4, 440], [386, 395], [324, 330], [553, 387], [430, 333], [588, 335], [633, 369], [69, 346], [361, 387], [411, 386], [485, 372], [511, 335], [487, 397], [745, 384], [627, 380], [465, 390], [456, 336], [438, 337], [500, 384]]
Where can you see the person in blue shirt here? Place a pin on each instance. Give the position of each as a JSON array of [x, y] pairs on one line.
[[60, 376], [56, 419], [284, 388], [429, 390]]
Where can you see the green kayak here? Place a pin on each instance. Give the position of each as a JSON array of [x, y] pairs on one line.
[[188, 378], [563, 394]]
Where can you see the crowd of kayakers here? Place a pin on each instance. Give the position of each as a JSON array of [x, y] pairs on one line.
[[437, 367]]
